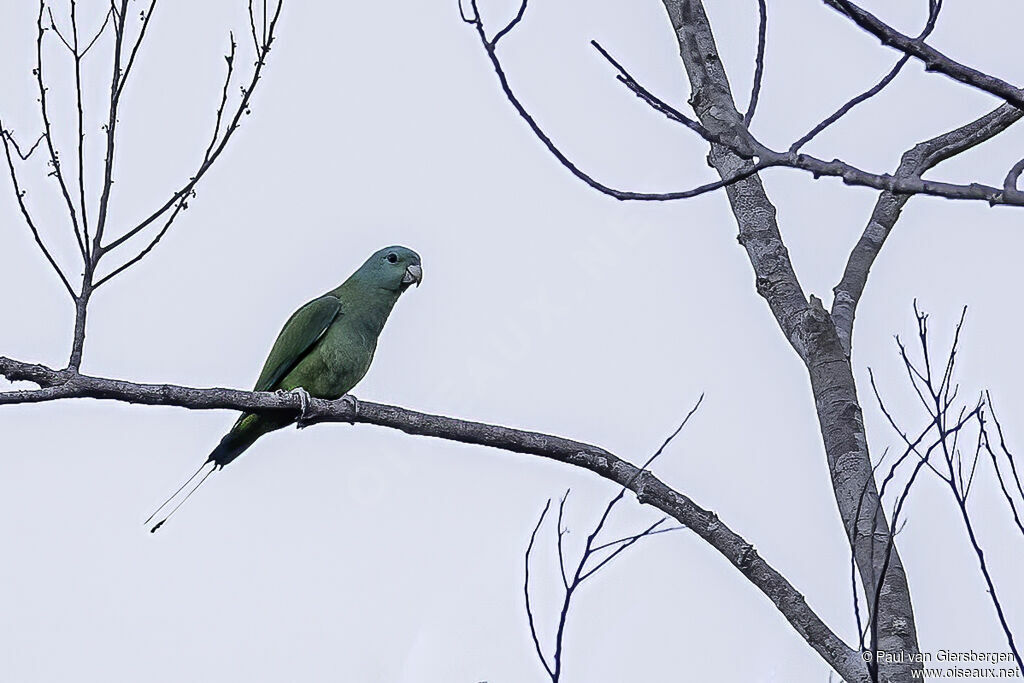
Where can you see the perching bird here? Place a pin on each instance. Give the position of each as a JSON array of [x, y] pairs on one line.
[[323, 350]]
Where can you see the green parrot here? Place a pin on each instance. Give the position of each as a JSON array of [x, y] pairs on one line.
[[323, 350]]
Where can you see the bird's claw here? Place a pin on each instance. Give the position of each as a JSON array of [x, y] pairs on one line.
[[303, 419], [352, 403]]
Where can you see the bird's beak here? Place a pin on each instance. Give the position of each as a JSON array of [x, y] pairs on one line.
[[413, 274]]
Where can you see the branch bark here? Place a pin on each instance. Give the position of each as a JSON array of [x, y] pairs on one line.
[[649, 490], [932, 58], [915, 162], [812, 333]]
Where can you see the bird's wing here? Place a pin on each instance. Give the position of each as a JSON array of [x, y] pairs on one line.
[[298, 336]]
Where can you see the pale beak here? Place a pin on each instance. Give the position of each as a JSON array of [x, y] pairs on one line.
[[413, 274]]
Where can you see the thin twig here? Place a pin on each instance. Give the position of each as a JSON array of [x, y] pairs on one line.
[[755, 91], [103, 27], [526, 592], [20, 197], [935, 6], [81, 130], [932, 58], [57, 172], [511, 25], [17, 150], [211, 157]]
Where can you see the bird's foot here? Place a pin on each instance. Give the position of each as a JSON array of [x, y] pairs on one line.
[[352, 403], [303, 419]]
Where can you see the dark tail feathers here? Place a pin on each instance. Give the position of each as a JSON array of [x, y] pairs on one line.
[[229, 448]]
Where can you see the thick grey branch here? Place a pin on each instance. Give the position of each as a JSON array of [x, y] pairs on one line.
[[810, 330], [915, 162], [649, 489]]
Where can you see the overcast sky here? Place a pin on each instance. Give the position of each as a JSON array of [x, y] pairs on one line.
[[345, 553]]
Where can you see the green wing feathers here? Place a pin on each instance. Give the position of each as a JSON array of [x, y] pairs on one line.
[[297, 337]]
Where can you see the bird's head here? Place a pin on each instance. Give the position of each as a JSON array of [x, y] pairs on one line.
[[394, 268]]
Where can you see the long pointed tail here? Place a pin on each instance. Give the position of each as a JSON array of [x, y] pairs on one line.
[[175, 495], [245, 432], [229, 448]]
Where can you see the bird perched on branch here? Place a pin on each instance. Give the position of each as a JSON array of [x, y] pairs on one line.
[[323, 351]]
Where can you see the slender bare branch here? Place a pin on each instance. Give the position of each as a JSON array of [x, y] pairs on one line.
[[649, 489], [477, 22], [932, 58], [526, 594], [81, 129], [561, 533], [17, 149], [111, 129], [211, 156], [146, 16], [935, 6], [57, 172], [625, 543], [742, 143], [627, 539], [915, 162], [940, 396], [1008, 493], [99, 32], [181, 206], [230, 59], [1010, 183], [19, 195], [511, 25], [583, 571], [252, 26], [762, 33], [53, 27]]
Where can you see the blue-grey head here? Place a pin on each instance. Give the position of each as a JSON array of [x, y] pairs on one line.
[[393, 268]]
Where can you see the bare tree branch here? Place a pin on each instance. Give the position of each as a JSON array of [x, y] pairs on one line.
[[1008, 493], [809, 329], [211, 156], [81, 128], [889, 205], [649, 489], [146, 16], [489, 47], [941, 394], [745, 146], [932, 58], [125, 54], [584, 570], [19, 195], [99, 32], [526, 593], [53, 27], [762, 32], [935, 6], [1010, 183], [179, 207], [57, 172], [24, 156], [512, 24]]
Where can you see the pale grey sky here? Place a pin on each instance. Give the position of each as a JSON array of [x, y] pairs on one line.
[[361, 554]]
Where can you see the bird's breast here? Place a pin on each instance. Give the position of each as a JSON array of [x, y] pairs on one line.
[[347, 352]]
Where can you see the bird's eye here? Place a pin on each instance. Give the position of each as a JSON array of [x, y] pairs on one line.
[[392, 257]]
